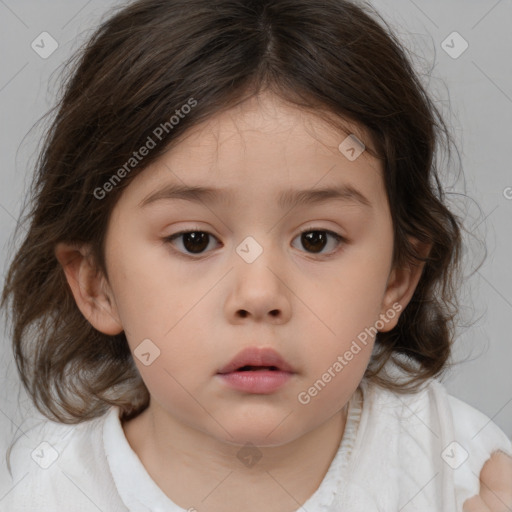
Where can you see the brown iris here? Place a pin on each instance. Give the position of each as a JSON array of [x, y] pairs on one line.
[[196, 241], [312, 239]]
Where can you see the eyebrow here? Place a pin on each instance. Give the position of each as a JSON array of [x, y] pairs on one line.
[[287, 199]]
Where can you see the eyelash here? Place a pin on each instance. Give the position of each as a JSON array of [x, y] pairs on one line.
[[339, 239]]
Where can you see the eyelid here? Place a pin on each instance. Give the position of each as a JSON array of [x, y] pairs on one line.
[[193, 229], [326, 230]]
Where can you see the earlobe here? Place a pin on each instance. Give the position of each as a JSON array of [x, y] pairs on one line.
[[401, 286], [89, 287]]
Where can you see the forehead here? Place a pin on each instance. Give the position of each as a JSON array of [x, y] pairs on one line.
[[266, 145], [266, 121]]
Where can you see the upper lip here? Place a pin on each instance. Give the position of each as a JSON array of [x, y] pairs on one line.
[[254, 356]]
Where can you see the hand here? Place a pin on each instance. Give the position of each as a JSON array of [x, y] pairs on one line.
[[495, 486]]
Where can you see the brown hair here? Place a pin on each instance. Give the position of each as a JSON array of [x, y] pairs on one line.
[[332, 58]]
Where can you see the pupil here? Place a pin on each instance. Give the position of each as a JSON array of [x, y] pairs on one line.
[[311, 239], [195, 242]]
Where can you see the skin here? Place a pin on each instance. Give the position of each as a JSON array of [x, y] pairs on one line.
[[495, 486], [200, 310]]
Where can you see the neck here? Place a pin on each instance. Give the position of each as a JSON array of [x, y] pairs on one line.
[[196, 470]]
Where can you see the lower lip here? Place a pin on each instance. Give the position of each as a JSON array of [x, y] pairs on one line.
[[256, 381]]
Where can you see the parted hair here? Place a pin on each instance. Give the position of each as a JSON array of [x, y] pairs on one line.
[[335, 58]]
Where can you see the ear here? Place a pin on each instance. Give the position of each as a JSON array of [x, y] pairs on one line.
[[402, 283], [89, 287]]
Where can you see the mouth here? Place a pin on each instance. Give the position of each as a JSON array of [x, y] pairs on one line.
[[248, 368], [260, 371], [257, 359]]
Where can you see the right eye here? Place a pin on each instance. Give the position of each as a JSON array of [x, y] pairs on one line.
[[193, 242]]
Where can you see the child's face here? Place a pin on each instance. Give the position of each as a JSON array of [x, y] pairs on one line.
[[308, 298]]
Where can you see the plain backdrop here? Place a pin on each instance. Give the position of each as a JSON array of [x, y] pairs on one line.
[[468, 73]]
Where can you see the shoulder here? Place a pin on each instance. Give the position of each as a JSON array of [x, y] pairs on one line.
[[47, 442], [54, 464], [446, 417], [476, 429], [434, 404], [476, 439], [431, 434]]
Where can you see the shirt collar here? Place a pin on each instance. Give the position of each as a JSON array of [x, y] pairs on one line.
[[140, 493]]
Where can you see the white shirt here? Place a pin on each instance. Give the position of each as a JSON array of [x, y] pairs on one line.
[[415, 452]]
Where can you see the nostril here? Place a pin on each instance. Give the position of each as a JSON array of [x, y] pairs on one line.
[[243, 313]]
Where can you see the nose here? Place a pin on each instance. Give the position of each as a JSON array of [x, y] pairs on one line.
[[260, 291]]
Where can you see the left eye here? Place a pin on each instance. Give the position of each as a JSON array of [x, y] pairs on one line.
[[316, 240]]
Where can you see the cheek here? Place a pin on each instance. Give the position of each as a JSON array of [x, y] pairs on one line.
[[171, 389], [356, 290], [151, 295], [334, 381], [349, 305], [158, 304]]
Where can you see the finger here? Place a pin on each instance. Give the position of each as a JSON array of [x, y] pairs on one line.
[[475, 504], [496, 483]]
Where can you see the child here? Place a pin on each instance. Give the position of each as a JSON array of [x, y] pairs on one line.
[[289, 361]]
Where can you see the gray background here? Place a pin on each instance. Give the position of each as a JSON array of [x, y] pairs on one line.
[[474, 91]]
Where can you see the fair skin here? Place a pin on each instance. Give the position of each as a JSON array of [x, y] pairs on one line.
[[200, 309]]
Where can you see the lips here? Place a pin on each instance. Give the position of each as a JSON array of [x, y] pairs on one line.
[[254, 359], [260, 371]]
